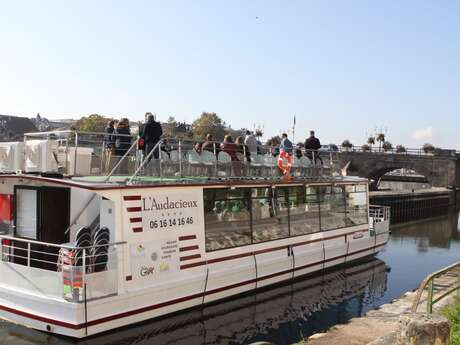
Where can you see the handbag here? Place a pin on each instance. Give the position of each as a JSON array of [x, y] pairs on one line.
[[141, 143]]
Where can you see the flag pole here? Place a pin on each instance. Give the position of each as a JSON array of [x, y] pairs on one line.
[[293, 131]]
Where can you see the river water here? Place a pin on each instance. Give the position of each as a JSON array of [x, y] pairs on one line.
[[289, 313]]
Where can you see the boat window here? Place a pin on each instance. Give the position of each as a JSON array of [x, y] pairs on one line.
[[304, 211], [269, 214], [242, 216], [356, 205], [26, 213], [332, 207], [227, 218]]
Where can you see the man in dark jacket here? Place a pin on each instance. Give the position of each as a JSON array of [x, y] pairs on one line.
[[151, 134], [312, 145], [109, 145]]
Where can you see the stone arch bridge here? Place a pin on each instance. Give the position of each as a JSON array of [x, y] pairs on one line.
[[441, 169]]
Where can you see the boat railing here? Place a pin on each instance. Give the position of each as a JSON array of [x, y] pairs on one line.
[[79, 154], [379, 219], [184, 158], [379, 213], [75, 274], [398, 150]]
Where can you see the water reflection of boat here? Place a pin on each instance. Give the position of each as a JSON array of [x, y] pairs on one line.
[[283, 314]]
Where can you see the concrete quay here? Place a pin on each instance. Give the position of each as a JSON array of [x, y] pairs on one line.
[[380, 326]]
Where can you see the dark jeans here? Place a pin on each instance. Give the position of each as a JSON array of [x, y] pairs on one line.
[[314, 160], [149, 147]]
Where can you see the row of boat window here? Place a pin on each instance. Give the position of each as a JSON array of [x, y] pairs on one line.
[[243, 216]]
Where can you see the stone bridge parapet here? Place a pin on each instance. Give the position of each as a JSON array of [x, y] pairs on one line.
[[441, 170]]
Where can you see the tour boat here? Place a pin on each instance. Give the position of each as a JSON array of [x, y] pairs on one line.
[[91, 242]]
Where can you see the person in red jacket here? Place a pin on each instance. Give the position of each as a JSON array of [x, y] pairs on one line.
[[230, 147]]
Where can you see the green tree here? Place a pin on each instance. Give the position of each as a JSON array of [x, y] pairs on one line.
[[171, 127], [92, 123], [370, 142], [259, 134], [387, 146], [365, 148], [428, 148], [347, 145], [381, 139], [209, 123], [273, 141], [400, 149]]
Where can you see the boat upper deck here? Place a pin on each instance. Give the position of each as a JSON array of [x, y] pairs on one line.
[[92, 161], [120, 182]]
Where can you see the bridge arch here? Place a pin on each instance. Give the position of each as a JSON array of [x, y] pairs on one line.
[[377, 174]]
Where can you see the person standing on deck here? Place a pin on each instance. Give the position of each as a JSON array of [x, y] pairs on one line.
[[251, 142], [312, 145], [141, 145], [286, 144], [151, 134], [109, 145], [122, 143]]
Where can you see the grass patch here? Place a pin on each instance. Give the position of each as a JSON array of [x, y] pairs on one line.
[[452, 312]]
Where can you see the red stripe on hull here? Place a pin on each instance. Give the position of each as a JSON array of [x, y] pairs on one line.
[[134, 209], [131, 197], [190, 257], [138, 229], [135, 220], [188, 237], [184, 249]]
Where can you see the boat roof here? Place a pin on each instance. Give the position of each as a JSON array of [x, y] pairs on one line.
[[121, 182]]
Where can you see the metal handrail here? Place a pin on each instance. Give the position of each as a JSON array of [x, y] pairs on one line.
[[407, 151], [377, 211], [145, 160], [18, 239], [38, 134], [134, 144], [429, 281]]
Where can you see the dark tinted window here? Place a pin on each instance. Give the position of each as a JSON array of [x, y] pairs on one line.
[[227, 218], [332, 206]]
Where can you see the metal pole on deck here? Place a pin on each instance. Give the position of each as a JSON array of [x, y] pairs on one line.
[[75, 153], [180, 157], [86, 310], [215, 160], [28, 254]]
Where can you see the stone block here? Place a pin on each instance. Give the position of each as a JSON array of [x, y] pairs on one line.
[[423, 329]]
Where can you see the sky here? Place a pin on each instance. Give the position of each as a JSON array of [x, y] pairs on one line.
[[344, 68]]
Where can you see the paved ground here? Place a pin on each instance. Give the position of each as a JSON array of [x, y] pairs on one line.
[[379, 322]]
